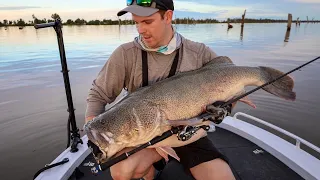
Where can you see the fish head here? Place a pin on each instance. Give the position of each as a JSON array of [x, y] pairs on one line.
[[102, 143], [108, 140], [124, 126]]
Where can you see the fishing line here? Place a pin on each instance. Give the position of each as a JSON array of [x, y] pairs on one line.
[[259, 87]]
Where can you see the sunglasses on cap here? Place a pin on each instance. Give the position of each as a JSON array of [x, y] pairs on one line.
[[147, 3]]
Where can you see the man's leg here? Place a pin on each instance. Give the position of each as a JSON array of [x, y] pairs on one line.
[[214, 169], [136, 166], [204, 161]]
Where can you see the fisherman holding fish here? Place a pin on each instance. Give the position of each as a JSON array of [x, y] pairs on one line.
[[170, 81], [157, 53]]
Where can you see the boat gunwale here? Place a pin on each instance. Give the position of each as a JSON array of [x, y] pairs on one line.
[[295, 158]]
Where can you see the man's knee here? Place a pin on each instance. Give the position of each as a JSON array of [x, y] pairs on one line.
[[121, 174], [214, 169], [136, 166], [117, 174]]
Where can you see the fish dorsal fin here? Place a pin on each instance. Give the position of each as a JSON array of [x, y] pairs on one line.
[[219, 60]]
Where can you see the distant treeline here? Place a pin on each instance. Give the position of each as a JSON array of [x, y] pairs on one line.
[[249, 20], [78, 21]]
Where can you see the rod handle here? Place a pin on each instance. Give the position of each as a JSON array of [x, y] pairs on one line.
[[44, 25]]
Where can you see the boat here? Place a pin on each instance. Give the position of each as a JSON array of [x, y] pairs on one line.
[[253, 152]]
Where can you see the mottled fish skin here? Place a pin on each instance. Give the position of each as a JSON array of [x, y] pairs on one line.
[[143, 114]]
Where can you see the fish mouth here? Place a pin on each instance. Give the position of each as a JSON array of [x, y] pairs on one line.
[[102, 144], [106, 155], [102, 159], [98, 154]]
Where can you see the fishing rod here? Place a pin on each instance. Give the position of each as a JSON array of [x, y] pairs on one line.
[[106, 165], [265, 84], [74, 135], [174, 130]]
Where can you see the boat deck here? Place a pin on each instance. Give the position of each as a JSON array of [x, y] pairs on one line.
[[247, 161]]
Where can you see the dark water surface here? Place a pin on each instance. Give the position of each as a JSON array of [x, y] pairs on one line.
[[33, 106]]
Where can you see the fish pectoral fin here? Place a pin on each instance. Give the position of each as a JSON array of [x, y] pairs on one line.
[[165, 152], [246, 100], [185, 122]]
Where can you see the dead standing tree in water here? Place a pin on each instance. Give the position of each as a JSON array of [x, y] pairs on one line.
[[298, 22], [286, 38], [289, 22], [243, 16], [242, 24]]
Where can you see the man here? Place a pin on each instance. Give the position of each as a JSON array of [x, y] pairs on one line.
[[158, 52]]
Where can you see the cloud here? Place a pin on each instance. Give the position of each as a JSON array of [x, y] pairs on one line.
[[87, 11], [265, 13], [306, 1], [224, 12], [17, 7], [186, 8], [203, 8], [87, 14], [220, 12]]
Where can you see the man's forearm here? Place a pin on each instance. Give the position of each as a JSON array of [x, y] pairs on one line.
[[94, 108]]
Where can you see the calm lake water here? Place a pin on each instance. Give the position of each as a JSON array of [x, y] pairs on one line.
[[33, 106]]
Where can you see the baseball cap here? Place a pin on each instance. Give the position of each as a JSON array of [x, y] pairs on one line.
[[146, 7]]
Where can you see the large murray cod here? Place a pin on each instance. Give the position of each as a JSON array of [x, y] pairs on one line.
[[152, 110]]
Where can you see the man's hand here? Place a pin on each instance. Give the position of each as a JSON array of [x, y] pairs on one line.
[[217, 113], [136, 166], [233, 105]]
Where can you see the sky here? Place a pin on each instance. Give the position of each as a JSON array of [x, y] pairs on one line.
[[197, 9]]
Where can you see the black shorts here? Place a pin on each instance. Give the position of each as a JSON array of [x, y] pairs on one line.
[[196, 153]]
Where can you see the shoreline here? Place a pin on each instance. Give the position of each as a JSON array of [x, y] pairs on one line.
[[129, 22], [293, 22]]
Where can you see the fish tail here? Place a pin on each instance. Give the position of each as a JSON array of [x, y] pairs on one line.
[[282, 87]]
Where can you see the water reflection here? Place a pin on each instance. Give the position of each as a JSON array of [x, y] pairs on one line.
[[241, 34], [286, 37], [228, 28], [305, 28]]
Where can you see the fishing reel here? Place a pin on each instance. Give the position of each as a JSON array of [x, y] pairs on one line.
[[189, 131], [216, 113]]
